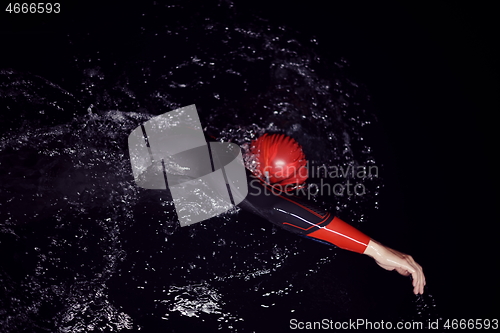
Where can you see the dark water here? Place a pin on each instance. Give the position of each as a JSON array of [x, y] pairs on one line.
[[85, 250]]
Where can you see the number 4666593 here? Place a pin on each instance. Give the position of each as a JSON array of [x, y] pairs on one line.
[[33, 8]]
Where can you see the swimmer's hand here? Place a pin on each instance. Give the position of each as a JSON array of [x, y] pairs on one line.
[[404, 264]]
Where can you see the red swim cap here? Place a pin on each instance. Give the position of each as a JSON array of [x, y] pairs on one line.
[[279, 160]]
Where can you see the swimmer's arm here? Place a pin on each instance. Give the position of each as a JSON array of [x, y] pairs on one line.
[[349, 238], [335, 231], [404, 264]]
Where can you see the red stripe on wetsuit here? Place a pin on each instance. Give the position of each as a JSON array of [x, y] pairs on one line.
[[343, 235]]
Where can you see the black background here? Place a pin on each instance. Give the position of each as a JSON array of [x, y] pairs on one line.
[[432, 72]]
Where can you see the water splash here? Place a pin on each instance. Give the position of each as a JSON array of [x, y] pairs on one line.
[[88, 238]]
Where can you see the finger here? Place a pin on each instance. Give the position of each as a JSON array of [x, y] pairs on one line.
[[421, 280], [414, 283], [419, 287], [418, 284]]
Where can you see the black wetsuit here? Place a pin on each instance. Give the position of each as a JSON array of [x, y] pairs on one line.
[[297, 215], [287, 211]]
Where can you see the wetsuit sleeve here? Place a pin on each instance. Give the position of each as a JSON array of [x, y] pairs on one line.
[[299, 216]]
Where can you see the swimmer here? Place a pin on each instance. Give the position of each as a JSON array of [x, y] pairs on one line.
[[276, 165]]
